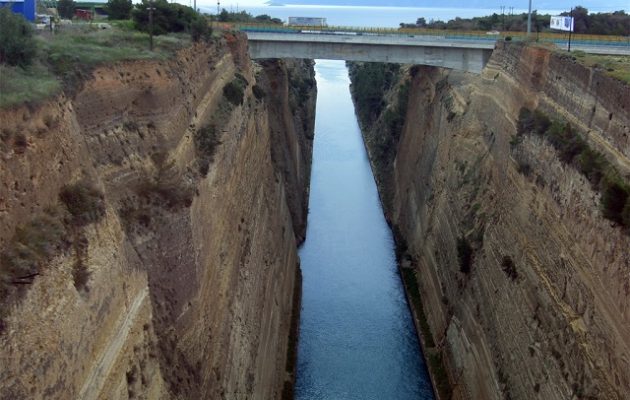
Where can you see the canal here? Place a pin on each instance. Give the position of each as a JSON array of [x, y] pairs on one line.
[[357, 339]]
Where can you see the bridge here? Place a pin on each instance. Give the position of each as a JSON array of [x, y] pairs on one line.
[[466, 56], [461, 51]]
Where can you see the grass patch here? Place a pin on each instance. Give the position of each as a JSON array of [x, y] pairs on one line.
[[65, 58], [615, 66], [29, 85], [71, 55], [89, 47]]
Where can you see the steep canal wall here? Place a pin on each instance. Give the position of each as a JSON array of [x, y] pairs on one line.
[[509, 233], [149, 229]]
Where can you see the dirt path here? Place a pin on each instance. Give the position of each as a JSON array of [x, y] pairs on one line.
[[101, 369]]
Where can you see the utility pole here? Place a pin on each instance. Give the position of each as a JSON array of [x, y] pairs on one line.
[[570, 28], [529, 19], [503, 17], [151, 25]]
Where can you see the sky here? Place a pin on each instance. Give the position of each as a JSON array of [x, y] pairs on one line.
[[592, 5]]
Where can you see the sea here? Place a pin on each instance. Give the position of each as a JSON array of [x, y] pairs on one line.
[[369, 16]]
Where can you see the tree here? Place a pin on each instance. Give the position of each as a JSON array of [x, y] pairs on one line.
[[267, 19], [17, 45], [200, 29], [224, 16], [65, 8], [119, 9], [167, 17]]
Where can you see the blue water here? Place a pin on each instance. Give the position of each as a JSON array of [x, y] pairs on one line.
[[357, 339], [382, 16]]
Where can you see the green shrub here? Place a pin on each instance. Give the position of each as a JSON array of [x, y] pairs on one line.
[[65, 8], [625, 214], [170, 195], [565, 140], [300, 87], [17, 45], [234, 90], [532, 122], [438, 371], [508, 266], [258, 91], [409, 278], [615, 195], [167, 17], [118, 9], [80, 275], [169, 188], [200, 29], [31, 245], [206, 142], [593, 165], [575, 150], [370, 81], [464, 255], [84, 202]]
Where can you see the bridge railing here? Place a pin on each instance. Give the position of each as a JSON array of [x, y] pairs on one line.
[[584, 39]]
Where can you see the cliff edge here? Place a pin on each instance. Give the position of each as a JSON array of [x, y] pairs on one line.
[[521, 273], [149, 230]]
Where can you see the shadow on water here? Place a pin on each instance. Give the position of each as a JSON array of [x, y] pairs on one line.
[[357, 339]]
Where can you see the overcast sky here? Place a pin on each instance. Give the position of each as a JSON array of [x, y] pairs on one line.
[[592, 5]]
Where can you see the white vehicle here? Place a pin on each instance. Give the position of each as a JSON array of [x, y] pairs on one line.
[[307, 21]]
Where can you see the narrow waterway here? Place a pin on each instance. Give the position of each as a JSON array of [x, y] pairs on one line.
[[357, 339]]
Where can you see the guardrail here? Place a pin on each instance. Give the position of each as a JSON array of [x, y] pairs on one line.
[[580, 39]]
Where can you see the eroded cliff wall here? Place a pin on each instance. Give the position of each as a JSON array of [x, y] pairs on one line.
[[183, 286], [542, 309]]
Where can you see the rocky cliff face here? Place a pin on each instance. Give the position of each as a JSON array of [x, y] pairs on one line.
[[178, 281], [540, 309]]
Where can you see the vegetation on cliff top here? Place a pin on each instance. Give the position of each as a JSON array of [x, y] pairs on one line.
[[574, 150], [63, 59], [118, 9], [244, 16], [616, 66], [17, 45], [33, 68], [615, 23]]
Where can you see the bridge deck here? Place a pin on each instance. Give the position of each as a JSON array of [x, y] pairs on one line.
[[468, 53], [469, 56]]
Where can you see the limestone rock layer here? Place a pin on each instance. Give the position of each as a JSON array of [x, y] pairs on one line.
[[543, 310], [193, 268]]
